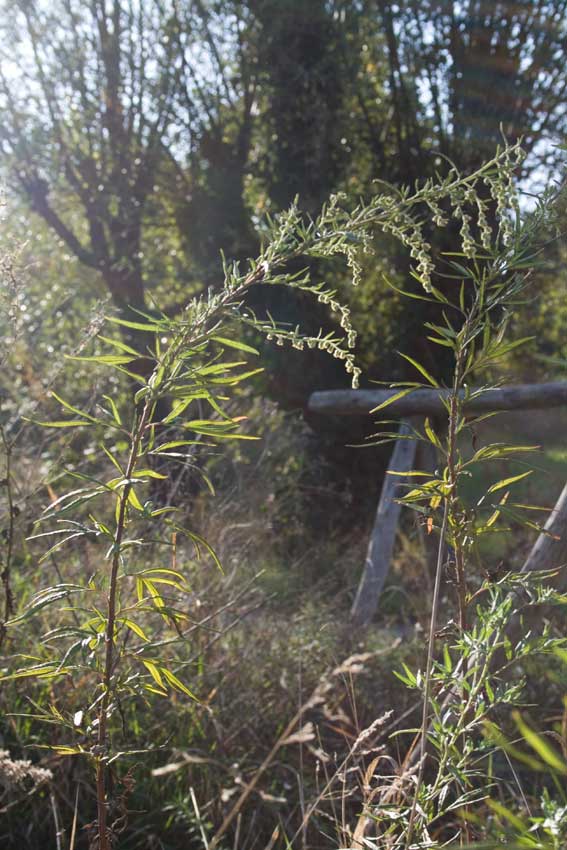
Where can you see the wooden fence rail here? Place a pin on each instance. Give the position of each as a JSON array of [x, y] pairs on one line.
[[411, 409], [427, 402]]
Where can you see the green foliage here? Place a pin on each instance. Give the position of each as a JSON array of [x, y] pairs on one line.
[[120, 628], [468, 684]]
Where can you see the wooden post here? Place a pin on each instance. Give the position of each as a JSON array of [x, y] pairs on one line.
[[382, 538], [548, 552], [550, 549]]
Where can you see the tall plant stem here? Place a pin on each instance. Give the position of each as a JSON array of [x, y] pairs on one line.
[[429, 667], [448, 510], [453, 475], [102, 810], [7, 567]]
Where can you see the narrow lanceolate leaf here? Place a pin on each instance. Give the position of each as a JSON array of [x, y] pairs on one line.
[[154, 672], [179, 408], [162, 571], [217, 430], [61, 543], [445, 342], [232, 343], [538, 743], [421, 369], [219, 368], [134, 501], [513, 819], [148, 473], [164, 447], [494, 516], [40, 671], [433, 438], [112, 459], [64, 423], [408, 294], [198, 541], [105, 359], [413, 474], [392, 399], [114, 409], [137, 326], [47, 597], [121, 346], [506, 481], [71, 408], [134, 627], [176, 683], [232, 380], [498, 450]]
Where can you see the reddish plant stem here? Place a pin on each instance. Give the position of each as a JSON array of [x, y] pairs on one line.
[[6, 571], [449, 510], [102, 810], [454, 416]]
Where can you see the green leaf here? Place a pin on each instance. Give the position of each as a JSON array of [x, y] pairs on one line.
[[149, 473], [407, 294], [114, 409], [154, 672], [178, 408], [134, 627], [219, 368], [121, 346], [413, 474], [506, 481], [197, 541], [231, 343], [106, 359], [177, 683], [433, 438], [72, 409], [62, 423], [134, 501], [42, 671], [392, 399], [507, 815], [421, 369], [138, 326], [445, 342], [47, 597], [499, 450], [175, 444], [540, 745], [113, 460]]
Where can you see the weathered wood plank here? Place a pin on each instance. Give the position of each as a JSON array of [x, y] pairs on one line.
[[550, 549], [429, 402], [381, 544]]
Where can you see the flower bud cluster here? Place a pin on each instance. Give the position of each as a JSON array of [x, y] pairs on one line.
[[503, 192], [354, 265], [408, 231], [438, 217], [330, 344], [467, 240], [483, 225], [284, 237], [328, 297]]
